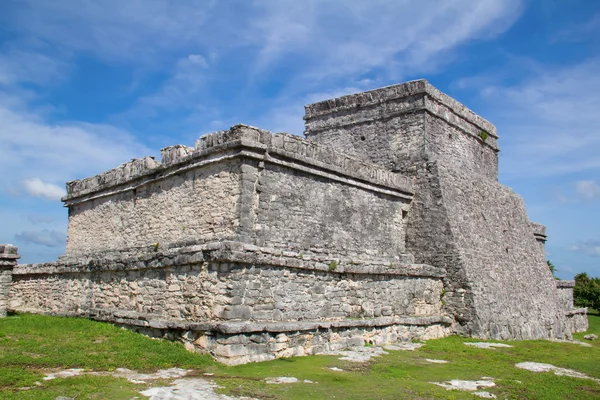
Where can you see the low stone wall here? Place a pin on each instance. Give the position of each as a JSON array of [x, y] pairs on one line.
[[225, 291]]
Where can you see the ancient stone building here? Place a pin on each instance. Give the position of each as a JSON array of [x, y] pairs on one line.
[[386, 223]]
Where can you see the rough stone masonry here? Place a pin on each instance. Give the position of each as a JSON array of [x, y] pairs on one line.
[[386, 223]]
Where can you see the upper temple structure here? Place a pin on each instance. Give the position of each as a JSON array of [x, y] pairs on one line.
[[386, 223]]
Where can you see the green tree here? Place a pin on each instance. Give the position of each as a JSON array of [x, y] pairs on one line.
[[586, 292], [552, 267]]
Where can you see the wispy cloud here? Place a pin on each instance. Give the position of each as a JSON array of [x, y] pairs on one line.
[[45, 237], [19, 66], [131, 31], [35, 187], [38, 219], [57, 152], [584, 31], [549, 123], [589, 247], [352, 37], [187, 81], [588, 189]]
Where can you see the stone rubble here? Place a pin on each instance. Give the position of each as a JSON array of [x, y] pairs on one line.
[[591, 336]]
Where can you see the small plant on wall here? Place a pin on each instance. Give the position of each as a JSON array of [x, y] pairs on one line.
[[483, 135], [333, 266]]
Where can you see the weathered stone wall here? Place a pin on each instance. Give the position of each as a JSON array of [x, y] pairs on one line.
[[399, 125], [248, 283], [298, 210], [461, 219], [238, 344], [193, 205], [565, 294], [222, 292], [577, 320], [514, 294], [244, 184], [8, 259]]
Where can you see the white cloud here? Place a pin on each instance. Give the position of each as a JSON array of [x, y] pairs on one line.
[[336, 38], [588, 189], [38, 219], [35, 187], [580, 32], [45, 237], [187, 81], [132, 30], [324, 37], [549, 124], [57, 152], [589, 247]]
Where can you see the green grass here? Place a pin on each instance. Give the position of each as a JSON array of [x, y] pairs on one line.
[[32, 345]]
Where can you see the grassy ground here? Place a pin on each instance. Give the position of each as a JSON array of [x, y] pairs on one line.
[[31, 346]]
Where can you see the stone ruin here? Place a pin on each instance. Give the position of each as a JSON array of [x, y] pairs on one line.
[[386, 223]]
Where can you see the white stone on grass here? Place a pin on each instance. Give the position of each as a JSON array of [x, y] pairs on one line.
[[67, 373], [469, 386], [485, 395], [404, 346], [188, 389], [360, 354], [541, 367], [336, 369], [486, 345], [431, 360], [135, 377], [131, 376], [282, 379], [571, 342], [591, 336]]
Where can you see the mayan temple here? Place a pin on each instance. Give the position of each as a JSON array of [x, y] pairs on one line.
[[385, 223]]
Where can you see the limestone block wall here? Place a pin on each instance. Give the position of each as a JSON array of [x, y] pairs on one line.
[[565, 294], [230, 281], [461, 218], [514, 293], [8, 260], [398, 126], [241, 302], [295, 209], [197, 204], [243, 184]]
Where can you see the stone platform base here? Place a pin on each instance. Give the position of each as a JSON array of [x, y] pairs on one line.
[[240, 342]]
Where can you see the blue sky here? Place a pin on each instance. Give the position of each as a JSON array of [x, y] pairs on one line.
[[88, 85]]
